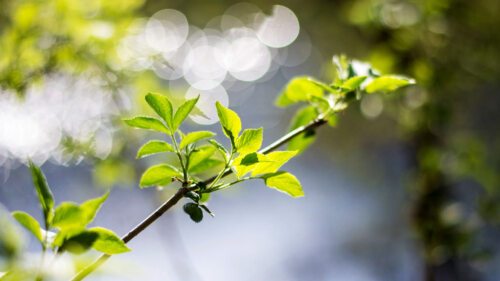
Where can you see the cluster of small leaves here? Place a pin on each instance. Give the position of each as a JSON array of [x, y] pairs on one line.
[[65, 226], [198, 152], [353, 79]]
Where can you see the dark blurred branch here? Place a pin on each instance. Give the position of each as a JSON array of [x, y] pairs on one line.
[[185, 189]]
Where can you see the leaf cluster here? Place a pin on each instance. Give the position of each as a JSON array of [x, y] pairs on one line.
[[199, 152], [353, 80], [65, 227]]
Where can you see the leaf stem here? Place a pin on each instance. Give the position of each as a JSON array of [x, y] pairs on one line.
[[184, 190], [179, 154]]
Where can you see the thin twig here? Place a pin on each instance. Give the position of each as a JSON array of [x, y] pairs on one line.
[[182, 191]]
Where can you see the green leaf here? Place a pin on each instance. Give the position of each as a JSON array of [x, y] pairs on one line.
[[194, 211], [158, 175], [108, 242], [148, 123], [388, 83], [194, 137], [243, 164], [320, 103], [183, 112], [162, 106], [258, 163], [69, 215], [299, 89], [204, 197], [154, 147], [284, 182], [353, 82], [249, 141], [45, 196], [230, 122], [92, 206], [201, 159], [303, 117], [341, 63], [64, 234], [223, 151], [80, 242], [273, 161], [30, 223]]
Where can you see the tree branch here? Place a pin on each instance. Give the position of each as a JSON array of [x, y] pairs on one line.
[[182, 191]]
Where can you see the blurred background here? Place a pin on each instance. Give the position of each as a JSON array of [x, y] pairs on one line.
[[405, 188]]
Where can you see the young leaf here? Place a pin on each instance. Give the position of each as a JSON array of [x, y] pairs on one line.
[[320, 103], [249, 141], [194, 211], [162, 106], [299, 89], [273, 161], [80, 242], [230, 122], [92, 206], [108, 242], [29, 223], [183, 112], [206, 165], [154, 147], [204, 197], [148, 123], [223, 151], [158, 175], [353, 82], [201, 159], [284, 182], [69, 215], [388, 83], [64, 234], [303, 117], [243, 164], [194, 137], [43, 191]]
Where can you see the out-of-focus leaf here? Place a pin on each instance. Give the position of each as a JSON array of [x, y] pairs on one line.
[[148, 123], [92, 206], [284, 182], [183, 112], [321, 103], [80, 242], [69, 215], [108, 242], [353, 82], [299, 89], [158, 175], [154, 147], [388, 83], [44, 193], [30, 223], [303, 117], [194, 137]]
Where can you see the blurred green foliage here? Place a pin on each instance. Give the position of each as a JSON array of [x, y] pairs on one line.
[[41, 37]]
